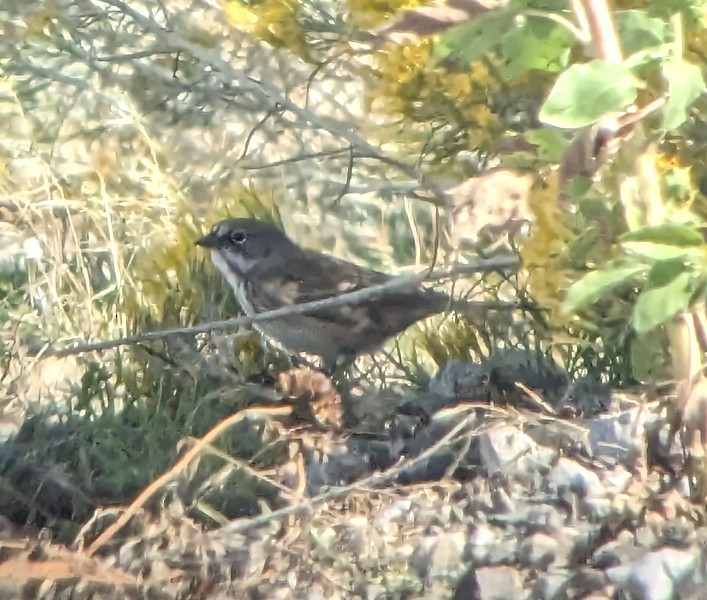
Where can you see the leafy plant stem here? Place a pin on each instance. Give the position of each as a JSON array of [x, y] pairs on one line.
[[581, 34]]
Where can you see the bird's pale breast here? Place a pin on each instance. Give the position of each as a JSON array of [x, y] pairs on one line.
[[297, 333]]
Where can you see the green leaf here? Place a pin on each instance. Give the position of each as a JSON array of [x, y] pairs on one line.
[[685, 84], [594, 285], [648, 355], [534, 46], [669, 233], [668, 8], [472, 39], [578, 187], [665, 271], [653, 251], [638, 31], [645, 57], [551, 143], [585, 92], [657, 305]]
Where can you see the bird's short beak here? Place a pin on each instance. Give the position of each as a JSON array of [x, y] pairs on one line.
[[208, 241]]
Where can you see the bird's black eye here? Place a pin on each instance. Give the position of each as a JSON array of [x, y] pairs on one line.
[[238, 238]]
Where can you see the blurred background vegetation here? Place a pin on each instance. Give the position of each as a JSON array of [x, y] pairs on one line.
[[129, 128]]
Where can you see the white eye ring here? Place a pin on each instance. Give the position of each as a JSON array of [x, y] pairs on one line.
[[238, 238]]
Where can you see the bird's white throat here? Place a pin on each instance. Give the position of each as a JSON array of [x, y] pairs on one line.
[[234, 281]]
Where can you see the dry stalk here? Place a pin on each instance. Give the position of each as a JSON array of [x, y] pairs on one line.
[[191, 454], [375, 479]]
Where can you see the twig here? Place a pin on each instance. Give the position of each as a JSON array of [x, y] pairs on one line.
[[205, 442], [269, 95], [240, 465], [308, 307], [298, 158], [252, 132], [347, 184], [374, 479], [131, 56]]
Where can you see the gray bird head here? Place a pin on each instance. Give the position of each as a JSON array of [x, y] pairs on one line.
[[243, 243]]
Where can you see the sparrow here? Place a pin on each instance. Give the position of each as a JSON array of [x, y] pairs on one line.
[[267, 271]]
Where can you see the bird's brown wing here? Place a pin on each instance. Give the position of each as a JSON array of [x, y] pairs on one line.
[[324, 276], [351, 328], [308, 277], [312, 276], [388, 312]]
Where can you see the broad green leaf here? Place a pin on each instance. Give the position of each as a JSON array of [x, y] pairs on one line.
[[656, 305], [665, 271], [648, 356], [668, 233], [533, 45], [685, 84], [578, 187], [594, 285], [585, 92], [472, 39], [653, 251], [644, 57], [551, 143], [668, 8], [638, 31], [584, 244]]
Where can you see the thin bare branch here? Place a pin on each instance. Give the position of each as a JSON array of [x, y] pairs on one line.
[[269, 95], [252, 132], [374, 479], [299, 158], [494, 264], [347, 184]]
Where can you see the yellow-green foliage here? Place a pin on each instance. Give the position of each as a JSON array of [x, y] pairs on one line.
[[271, 21], [369, 14], [406, 83]]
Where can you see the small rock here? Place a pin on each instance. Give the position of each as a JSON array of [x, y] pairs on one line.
[[550, 586], [481, 540], [622, 550], [661, 575], [584, 581], [374, 591], [501, 446], [467, 587], [391, 515], [499, 583], [613, 437], [458, 380], [617, 480], [545, 518], [439, 556], [538, 551], [570, 475]]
